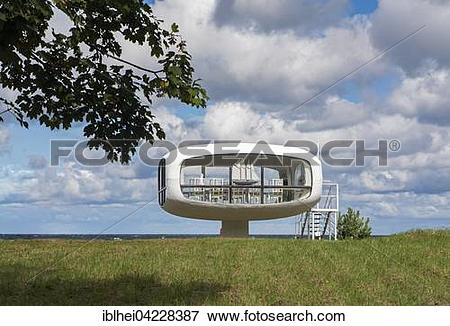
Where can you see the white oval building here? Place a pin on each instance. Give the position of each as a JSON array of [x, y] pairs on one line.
[[236, 183]]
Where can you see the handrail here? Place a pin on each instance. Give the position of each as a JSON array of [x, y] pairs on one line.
[[304, 224], [327, 209], [244, 186], [326, 224], [328, 197]]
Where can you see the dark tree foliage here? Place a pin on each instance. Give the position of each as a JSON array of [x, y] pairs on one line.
[[81, 77], [352, 225]]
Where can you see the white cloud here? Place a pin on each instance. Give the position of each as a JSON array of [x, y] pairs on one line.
[[73, 184], [402, 205], [303, 16], [4, 137], [254, 66], [383, 180], [235, 120], [424, 96], [176, 126], [395, 19], [281, 67]]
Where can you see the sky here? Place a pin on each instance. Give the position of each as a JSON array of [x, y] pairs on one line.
[[258, 59]]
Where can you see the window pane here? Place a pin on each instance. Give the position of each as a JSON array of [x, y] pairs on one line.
[[245, 172]]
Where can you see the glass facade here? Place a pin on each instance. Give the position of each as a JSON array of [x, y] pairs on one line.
[[162, 182], [245, 179]]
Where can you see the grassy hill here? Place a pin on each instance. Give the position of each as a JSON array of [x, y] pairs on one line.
[[406, 269]]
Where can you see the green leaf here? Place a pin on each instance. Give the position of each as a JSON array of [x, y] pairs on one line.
[[58, 83], [174, 28]]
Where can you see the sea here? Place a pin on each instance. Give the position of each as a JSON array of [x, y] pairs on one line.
[[118, 237]]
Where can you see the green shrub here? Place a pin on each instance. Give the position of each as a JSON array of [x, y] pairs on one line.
[[352, 225]]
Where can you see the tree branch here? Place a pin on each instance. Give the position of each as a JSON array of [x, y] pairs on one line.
[[155, 72], [36, 57], [5, 111]]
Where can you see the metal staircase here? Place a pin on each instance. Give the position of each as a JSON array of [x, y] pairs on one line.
[[321, 221]]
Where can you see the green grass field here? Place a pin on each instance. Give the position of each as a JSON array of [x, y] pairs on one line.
[[406, 269]]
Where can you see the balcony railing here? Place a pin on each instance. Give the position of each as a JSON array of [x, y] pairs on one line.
[[243, 193]]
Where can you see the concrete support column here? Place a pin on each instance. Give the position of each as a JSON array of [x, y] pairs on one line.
[[234, 228]]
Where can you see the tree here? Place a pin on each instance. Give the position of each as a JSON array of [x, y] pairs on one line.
[[352, 225], [64, 79]]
